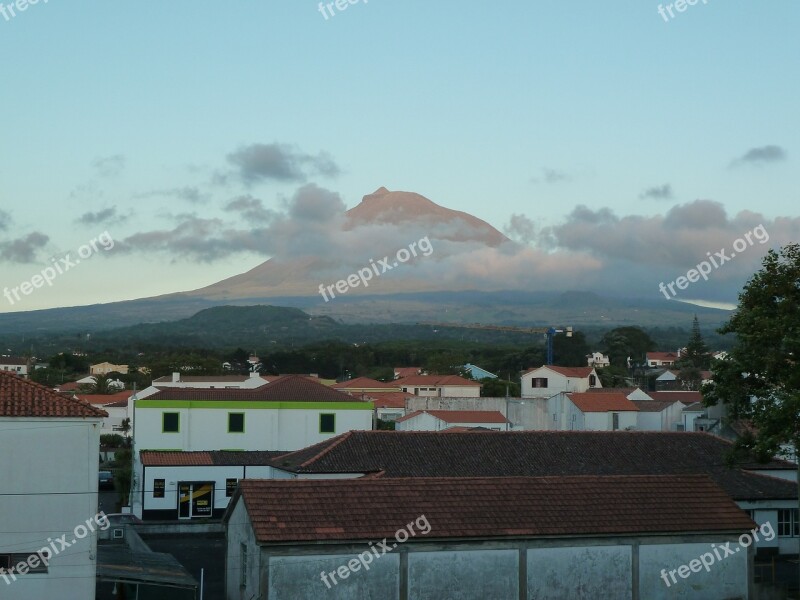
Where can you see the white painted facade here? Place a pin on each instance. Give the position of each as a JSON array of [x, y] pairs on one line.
[[563, 415], [44, 456], [664, 420], [177, 380], [556, 383], [598, 360], [428, 422], [17, 366], [430, 390]]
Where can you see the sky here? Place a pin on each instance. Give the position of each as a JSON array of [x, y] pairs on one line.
[[605, 135]]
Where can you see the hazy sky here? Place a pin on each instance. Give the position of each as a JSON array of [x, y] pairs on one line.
[[580, 127]]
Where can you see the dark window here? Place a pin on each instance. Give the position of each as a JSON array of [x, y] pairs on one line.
[[235, 422], [9, 562], [171, 423], [230, 486], [539, 382], [788, 524], [158, 488], [614, 421], [592, 381], [327, 423]]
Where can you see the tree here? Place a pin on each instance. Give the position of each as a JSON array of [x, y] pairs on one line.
[[624, 342], [496, 388], [759, 381]]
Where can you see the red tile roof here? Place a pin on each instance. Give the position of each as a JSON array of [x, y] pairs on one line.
[[387, 399], [576, 372], [460, 416], [364, 383], [23, 398], [170, 458], [375, 508], [653, 405], [286, 388], [436, 380], [400, 372], [685, 397], [596, 402], [661, 356], [120, 398], [541, 453]]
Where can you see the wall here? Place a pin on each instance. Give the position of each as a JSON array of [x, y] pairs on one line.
[[49, 455], [624, 568], [265, 428], [524, 413], [239, 531]]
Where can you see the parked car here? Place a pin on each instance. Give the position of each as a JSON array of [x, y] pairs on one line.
[[106, 480]]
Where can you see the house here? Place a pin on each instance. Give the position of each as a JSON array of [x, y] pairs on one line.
[[595, 412], [660, 359], [440, 385], [19, 366], [437, 420], [179, 380], [659, 415], [768, 490], [50, 444], [290, 412], [670, 380], [477, 373], [104, 368], [598, 360], [115, 405], [400, 372], [365, 385], [549, 380], [482, 538], [196, 485]]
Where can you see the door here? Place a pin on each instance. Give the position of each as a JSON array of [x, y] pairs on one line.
[[195, 499]]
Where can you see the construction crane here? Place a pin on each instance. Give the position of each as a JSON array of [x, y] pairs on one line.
[[550, 332]]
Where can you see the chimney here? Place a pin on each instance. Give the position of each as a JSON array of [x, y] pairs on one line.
[[176, 377]]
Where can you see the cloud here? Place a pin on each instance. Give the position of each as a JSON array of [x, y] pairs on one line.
[[96, 218], [551, 176], [109, 166], [188, 193], [279, 162], [659, 192], [761, 156], [5, 220], [521, 229], [23, 249], [251, 208]]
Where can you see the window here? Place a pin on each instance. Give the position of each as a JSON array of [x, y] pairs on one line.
[[614, 421], [230, 486], [235, 422], [592, 381], [171, 423], [539, 382], [788, 523], [33, 563], [243, 561], [327, 423], [158, 488]]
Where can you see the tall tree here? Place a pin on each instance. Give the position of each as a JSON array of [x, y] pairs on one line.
[[759, 381], [694, 360]]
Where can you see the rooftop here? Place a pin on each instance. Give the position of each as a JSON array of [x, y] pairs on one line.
[[540, 453], [460, 416], [576, 372], [597, 402], [436, 380], [286, 388], [171, 458], [371, 509], [23, 398], [365, 383]]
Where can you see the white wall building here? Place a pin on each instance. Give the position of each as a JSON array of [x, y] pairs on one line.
[[598, 360], [440, 385], [20, 366], [438, 420], [549, 380], [583, 411], [179, 380], [48, 478], [659, 415], [290, 413]]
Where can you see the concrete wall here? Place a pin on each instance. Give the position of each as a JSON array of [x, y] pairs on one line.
[[524, 413], [238, 532], [624, 568], [41, 457]]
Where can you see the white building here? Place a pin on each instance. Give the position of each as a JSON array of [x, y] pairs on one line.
[[291, 412], [438, 420], [549, 380], [48, 478], [659, 415], [582, 411], [115, 405], [598, 360], [104, 368], [20, 366], [249, 381], [439, 385], [661, 359]]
